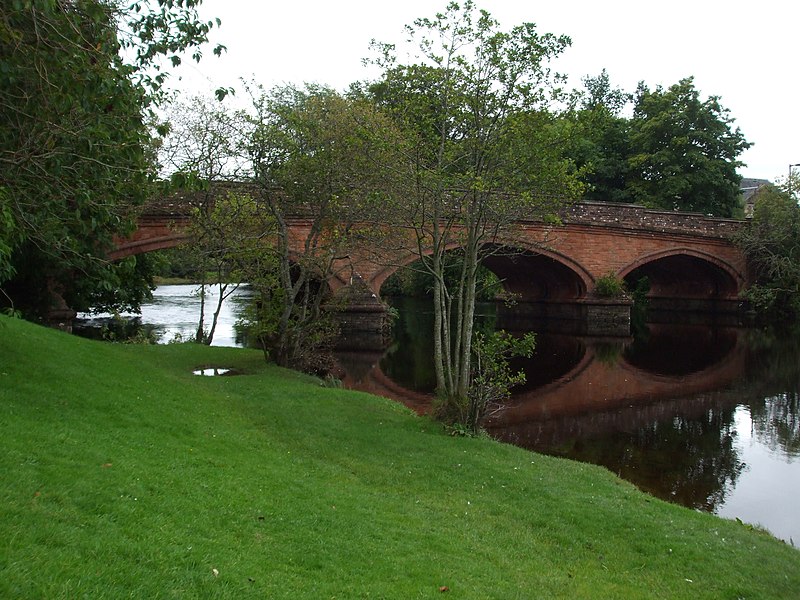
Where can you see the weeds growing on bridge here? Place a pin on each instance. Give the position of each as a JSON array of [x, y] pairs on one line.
[[610, 286]]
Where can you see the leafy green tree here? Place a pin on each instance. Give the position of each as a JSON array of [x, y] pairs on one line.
[[330, 160], [684, 151], [771, 242], [599, 140], [484, 153], [676, 152], [492, 376], [78, 80]]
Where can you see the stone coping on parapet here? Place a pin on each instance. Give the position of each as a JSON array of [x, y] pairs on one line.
[[634, 216], [610, 214]]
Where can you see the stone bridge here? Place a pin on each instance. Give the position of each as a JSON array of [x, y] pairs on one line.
[[689, 259]]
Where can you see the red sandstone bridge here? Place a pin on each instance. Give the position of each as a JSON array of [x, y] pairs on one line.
[[689, 259]]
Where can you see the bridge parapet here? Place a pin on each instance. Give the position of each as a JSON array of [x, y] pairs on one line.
[[632, 216], [181, 203], [608, 214]]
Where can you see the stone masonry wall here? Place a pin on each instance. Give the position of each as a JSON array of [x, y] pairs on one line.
[[638, 217]]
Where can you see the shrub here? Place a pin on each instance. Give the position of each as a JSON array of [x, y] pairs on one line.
[[610, 286]]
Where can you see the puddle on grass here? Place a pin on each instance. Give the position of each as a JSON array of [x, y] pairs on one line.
[[215, 371]]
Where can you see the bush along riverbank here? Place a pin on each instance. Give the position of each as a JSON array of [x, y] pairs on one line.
[[125, 475]]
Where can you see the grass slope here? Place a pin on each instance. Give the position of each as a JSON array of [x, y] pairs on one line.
[[123, 475]]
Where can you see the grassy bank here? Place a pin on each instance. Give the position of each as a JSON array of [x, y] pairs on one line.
[[124, 475]]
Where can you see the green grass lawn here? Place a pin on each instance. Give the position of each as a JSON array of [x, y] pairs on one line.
[[125, 476]]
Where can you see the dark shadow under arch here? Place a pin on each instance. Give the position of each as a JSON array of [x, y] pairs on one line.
[[536, 276], [530, 275], [687, 274]]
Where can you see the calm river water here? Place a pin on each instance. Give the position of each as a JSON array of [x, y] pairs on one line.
[[704, 415]]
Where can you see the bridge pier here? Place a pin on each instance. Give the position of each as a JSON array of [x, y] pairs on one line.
[[594, 317], [59, 315], [364, 320], [605, 317]]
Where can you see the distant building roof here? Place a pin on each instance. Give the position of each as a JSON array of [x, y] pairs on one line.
[[749, 187]]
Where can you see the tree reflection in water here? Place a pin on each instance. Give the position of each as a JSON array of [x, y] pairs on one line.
[[776, 422], [774, 376], [689, 460]]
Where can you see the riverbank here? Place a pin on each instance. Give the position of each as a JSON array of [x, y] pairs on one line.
[[125, 475]]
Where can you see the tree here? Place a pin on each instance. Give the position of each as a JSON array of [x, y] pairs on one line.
[[215, 230], [78, 81], [484, 153], [599, 140], [684, 151], [200, 152], [771, 242], [330, 160], [492, 377], [676, 152], [202, 143]]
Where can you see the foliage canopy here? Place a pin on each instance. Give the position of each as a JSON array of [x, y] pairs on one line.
[[484, 151], [684, 151], [676, 152], [771, 242], [78, 80]]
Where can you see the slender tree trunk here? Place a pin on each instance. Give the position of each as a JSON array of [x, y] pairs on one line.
[[471, 266], [209, 337], [457, 322], [199, 334], [438, 333], [289, 291], [440, 337], [223, 295]]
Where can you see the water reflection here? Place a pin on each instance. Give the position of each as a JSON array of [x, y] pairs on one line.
[[680, 349], [408, 359], [214, 372], [686, 458], [776, 422]]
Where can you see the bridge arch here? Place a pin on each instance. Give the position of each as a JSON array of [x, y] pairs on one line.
[[532, 273], [149, 245], [536, 274], [685, 273], [153, 233]]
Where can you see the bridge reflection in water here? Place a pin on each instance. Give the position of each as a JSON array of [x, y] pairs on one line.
[[659, 410]]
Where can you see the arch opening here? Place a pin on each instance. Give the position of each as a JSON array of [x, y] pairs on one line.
[[665, 352], [536, 277], [526, 275], [682, 281]]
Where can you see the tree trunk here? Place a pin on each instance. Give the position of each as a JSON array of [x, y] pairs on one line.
[[199, 334], [223, 288]]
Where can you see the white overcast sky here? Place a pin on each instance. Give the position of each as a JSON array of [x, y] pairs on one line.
[[747, 53]]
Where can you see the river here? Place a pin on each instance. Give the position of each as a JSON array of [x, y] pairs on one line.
[[706, 415]]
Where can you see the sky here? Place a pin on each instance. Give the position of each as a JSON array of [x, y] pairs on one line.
[[747, 53]]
